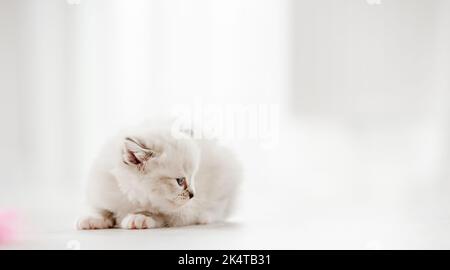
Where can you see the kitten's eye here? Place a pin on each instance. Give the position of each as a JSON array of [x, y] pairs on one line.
[[180, 181]]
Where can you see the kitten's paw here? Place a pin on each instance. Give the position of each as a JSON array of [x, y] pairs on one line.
[[137, 221], [93, 223]]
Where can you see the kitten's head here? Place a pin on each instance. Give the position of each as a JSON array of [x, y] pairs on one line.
[[158, 169]]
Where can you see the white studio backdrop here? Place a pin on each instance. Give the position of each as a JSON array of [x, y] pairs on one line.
[[362, 88], [76, 71]]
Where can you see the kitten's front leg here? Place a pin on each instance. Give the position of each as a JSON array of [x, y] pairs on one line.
[[141, 221], [103, 220]]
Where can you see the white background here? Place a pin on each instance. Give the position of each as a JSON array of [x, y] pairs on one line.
[[363, 151]]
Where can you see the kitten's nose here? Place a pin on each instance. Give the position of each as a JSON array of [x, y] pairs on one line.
[[191, 195]]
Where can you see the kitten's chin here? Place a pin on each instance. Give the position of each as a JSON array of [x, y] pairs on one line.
[[168, 206], [177, 205]]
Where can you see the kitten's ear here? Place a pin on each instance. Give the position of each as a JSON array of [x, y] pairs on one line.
[[135, 153]]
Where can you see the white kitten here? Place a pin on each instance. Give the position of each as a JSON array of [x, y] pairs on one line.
[[149, 178]]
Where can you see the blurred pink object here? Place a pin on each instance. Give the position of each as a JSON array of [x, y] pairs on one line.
[[8, 226]]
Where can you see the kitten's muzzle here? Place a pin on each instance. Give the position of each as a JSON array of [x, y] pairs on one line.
[[191, 195]]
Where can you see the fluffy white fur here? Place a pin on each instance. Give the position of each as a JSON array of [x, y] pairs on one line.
[[132, 183]]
